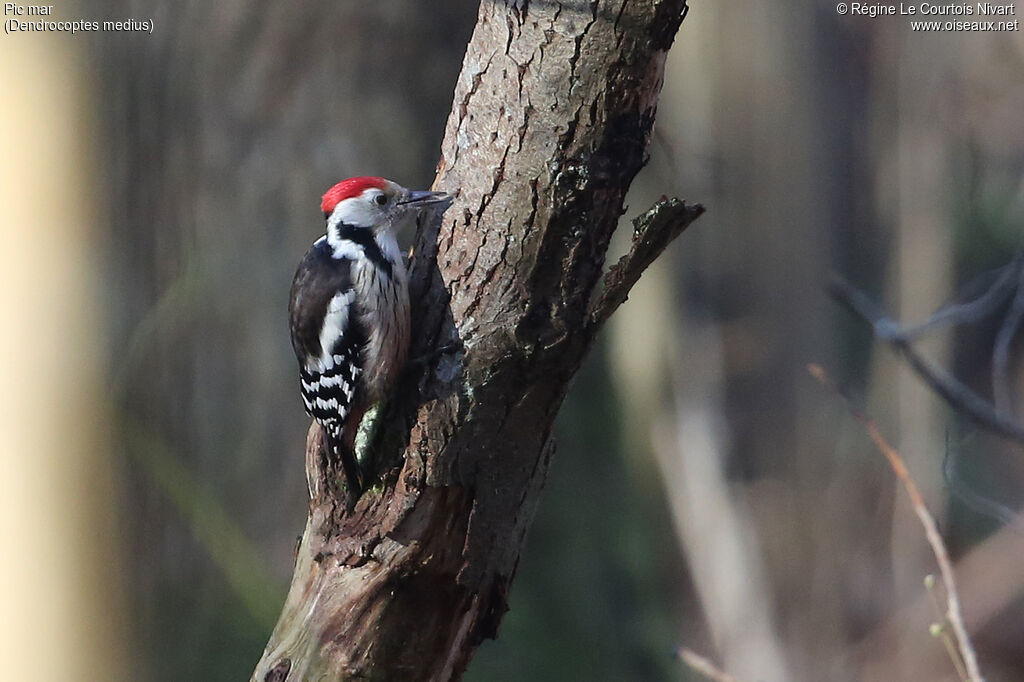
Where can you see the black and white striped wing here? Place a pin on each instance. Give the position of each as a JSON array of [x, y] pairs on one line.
[[328, 389], [326, 336]]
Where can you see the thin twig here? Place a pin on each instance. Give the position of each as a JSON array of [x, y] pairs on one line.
[[953, 613], [959, 396], [940, 631], [703, 666]]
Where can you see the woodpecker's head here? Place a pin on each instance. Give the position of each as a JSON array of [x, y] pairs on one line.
[[373, 203]]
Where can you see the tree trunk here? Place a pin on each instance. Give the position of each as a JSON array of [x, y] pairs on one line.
[[551, 119]]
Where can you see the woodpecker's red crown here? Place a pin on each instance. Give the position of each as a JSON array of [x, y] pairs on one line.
[[346, 189]]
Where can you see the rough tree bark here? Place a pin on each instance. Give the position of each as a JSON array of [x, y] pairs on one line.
[[551, 119]]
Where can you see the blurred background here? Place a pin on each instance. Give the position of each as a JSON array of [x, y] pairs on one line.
[[158, 190]]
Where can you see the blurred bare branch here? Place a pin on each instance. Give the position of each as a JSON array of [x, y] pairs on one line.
[[958, 395], [1001, 391], [972, 498], [953, 313], [1006, 282], [953, 613]]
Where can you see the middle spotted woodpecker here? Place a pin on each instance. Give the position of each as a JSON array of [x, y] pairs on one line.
[[349, 309]]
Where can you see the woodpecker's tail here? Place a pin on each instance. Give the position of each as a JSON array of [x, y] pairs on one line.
[[340, 451]]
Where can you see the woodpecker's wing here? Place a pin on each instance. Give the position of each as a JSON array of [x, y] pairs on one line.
[[326, 335]]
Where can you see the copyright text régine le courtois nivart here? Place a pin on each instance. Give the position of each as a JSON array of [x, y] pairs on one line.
[[977, 9]]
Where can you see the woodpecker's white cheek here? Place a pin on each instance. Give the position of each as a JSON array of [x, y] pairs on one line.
[[359, 211]]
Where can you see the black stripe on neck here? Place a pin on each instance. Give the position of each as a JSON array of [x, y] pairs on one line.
[[364, 238]]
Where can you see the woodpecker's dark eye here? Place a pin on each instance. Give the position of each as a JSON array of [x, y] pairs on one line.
[[381, 199]]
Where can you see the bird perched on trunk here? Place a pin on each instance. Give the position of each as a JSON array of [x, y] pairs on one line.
[[349, 309]]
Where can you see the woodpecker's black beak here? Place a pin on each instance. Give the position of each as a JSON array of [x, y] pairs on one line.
[[425, 198]]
